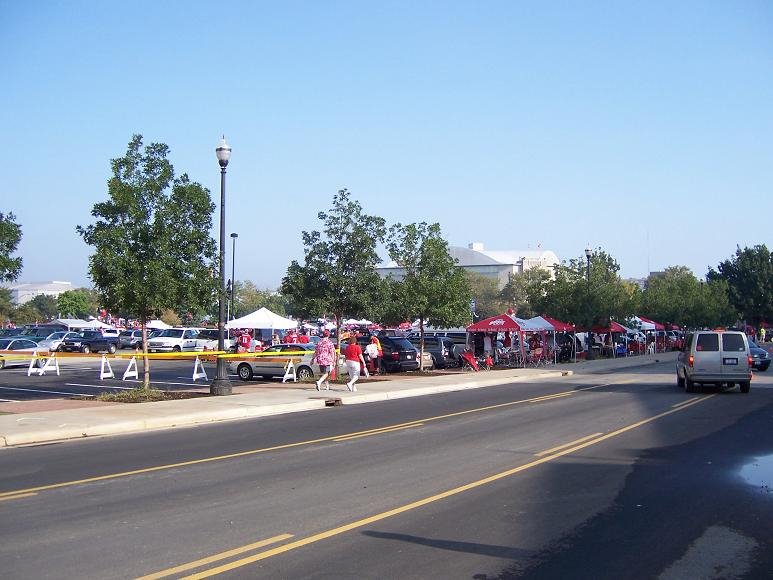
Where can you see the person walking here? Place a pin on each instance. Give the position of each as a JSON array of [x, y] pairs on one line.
[[354, 362], [762, 334], [324, 356]]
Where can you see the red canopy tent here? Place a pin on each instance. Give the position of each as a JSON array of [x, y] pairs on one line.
[[558, 325], [613, 327], [500, 323], [658, 326]]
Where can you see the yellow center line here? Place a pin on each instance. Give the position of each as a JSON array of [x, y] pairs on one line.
[[431, 499], [547, 398], [575, 442], [17, 496], [379, 432], [684, 402], [215, 557]]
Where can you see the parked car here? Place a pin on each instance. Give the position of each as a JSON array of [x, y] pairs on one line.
[[760, 357], [715, 357], [90, 341], [210, 336], [53, 341], [177, 340], [399, 354], [268, 366], [16, 347], [129, 338], [443, 350]]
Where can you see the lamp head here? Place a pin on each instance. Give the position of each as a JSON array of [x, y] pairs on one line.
[[223, 152], [588, 253]]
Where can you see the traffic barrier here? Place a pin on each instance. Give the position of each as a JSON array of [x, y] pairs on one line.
[[131, 370], [48, 365], [290, 372], [106, 374], [33, 362], [202, 373]]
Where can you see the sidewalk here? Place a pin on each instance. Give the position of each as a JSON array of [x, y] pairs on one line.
[[112, 419]]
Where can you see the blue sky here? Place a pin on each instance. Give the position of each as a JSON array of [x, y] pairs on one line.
[[645, 128]]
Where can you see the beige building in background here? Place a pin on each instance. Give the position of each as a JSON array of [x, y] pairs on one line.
[[22, 293], [497, 264]]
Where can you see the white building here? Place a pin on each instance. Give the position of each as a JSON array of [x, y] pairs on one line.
[[21, 293], [497, 264]]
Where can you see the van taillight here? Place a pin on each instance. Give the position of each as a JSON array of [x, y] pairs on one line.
[[691, 361], [751, 361]]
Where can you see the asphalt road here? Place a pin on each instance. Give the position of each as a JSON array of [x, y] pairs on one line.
[[599, 476]]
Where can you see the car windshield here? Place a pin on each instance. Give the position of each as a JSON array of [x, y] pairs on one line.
[[171, 333]]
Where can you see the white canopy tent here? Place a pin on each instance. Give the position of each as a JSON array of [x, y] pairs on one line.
[[262, 318], [94, 324], [157, 324]]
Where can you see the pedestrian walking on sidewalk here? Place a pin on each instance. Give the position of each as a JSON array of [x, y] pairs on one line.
[[354, 362], [324, 356]]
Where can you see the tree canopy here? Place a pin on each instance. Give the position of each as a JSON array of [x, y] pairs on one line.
[[433, 288], [76, 303], [152, 248], [749, 278], [10, 236], [339, 271]]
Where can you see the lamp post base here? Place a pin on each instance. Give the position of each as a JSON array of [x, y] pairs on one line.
[[220, 387]]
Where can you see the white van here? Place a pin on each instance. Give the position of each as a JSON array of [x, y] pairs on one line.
[[719, 357]]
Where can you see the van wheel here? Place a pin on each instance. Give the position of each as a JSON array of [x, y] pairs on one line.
[[679, 381], [85, 349], [245, 372], [176, 349], [689, 385], [745, 386], [111, 349]]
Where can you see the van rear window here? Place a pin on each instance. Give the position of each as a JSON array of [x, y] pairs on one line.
[[733, 343], [707, 343]]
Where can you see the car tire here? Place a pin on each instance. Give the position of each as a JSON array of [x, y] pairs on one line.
[[85, 349], [2, 363], [245, 372], [689, 385], [304, 373], [111, 349], [745, 386], [679, 381], [176, 349]]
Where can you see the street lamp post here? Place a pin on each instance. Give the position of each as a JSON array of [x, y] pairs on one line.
[[221, 385], [234, 235], [590, 356]]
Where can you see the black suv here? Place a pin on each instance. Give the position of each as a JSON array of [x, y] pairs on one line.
[[443, 350], [399, 354]]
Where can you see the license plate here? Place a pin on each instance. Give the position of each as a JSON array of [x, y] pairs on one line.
[[730, 361]]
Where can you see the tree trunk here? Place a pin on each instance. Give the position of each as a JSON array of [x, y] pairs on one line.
[[145, 359], [421, 343]]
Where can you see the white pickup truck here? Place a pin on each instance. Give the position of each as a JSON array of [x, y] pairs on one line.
[[177, 340]]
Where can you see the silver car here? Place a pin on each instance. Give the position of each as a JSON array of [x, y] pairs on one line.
[[19, 351], [271, 362], [54, 340]]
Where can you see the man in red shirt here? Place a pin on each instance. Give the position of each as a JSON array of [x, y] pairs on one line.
[[303, 338]]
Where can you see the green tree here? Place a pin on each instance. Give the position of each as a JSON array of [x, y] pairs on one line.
[[249, 298], [339, 271], [45, 305], [572, 297], [10, 236], [26, 314], [76, 303], [433, 288], [6, 305], [485, 296], [524, 290], [151, 239], [749, 277]]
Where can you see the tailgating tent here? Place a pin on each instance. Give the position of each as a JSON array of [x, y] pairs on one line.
[[95, 324], [501, 323], [157, 324], [563, 327], [262, 318]]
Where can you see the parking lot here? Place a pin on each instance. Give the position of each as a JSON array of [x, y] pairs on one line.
[[80, 377]]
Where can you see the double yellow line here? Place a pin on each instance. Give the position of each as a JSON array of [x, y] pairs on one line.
[[543, 457]]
